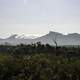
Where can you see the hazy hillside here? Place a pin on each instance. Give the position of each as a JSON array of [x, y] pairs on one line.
[[70, 39]]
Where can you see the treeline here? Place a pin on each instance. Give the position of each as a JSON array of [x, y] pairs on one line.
[[38, 48], [39, 62]]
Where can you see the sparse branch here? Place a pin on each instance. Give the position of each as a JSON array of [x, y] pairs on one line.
[[55, 40]]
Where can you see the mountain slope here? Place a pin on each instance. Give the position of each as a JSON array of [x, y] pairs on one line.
[[70, 39]]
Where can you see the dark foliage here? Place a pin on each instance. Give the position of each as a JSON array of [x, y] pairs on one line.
[[40, 48], [39, 62]]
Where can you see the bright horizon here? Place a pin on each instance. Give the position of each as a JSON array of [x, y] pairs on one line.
[[38, 17]]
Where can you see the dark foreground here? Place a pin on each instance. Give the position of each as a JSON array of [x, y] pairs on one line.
[[39, 67], [19, 63]]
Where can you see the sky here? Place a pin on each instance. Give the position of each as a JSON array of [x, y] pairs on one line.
[[38, 17]]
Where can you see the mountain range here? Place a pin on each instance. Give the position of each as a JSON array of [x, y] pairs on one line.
[[61, 39]]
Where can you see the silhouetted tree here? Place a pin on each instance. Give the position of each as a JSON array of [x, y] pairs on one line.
[[55, 42]]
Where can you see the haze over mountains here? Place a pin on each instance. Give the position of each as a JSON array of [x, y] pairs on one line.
[[69, 39]]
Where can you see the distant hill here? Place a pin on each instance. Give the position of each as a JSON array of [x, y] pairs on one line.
[[70, 39]]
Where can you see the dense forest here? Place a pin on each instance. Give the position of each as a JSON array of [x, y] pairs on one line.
[[39, 62]]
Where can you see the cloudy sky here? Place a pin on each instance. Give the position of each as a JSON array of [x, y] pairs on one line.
[[38, 17]]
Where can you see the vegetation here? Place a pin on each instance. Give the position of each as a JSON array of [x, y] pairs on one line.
[[39, 62]]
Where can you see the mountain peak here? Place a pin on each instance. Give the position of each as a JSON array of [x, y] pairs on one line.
[[51, 32], [73, 34], [12, 36], [15, 36], [57, 33], [26, 37]]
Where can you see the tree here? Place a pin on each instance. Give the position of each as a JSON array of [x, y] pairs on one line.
[[55, 40]]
